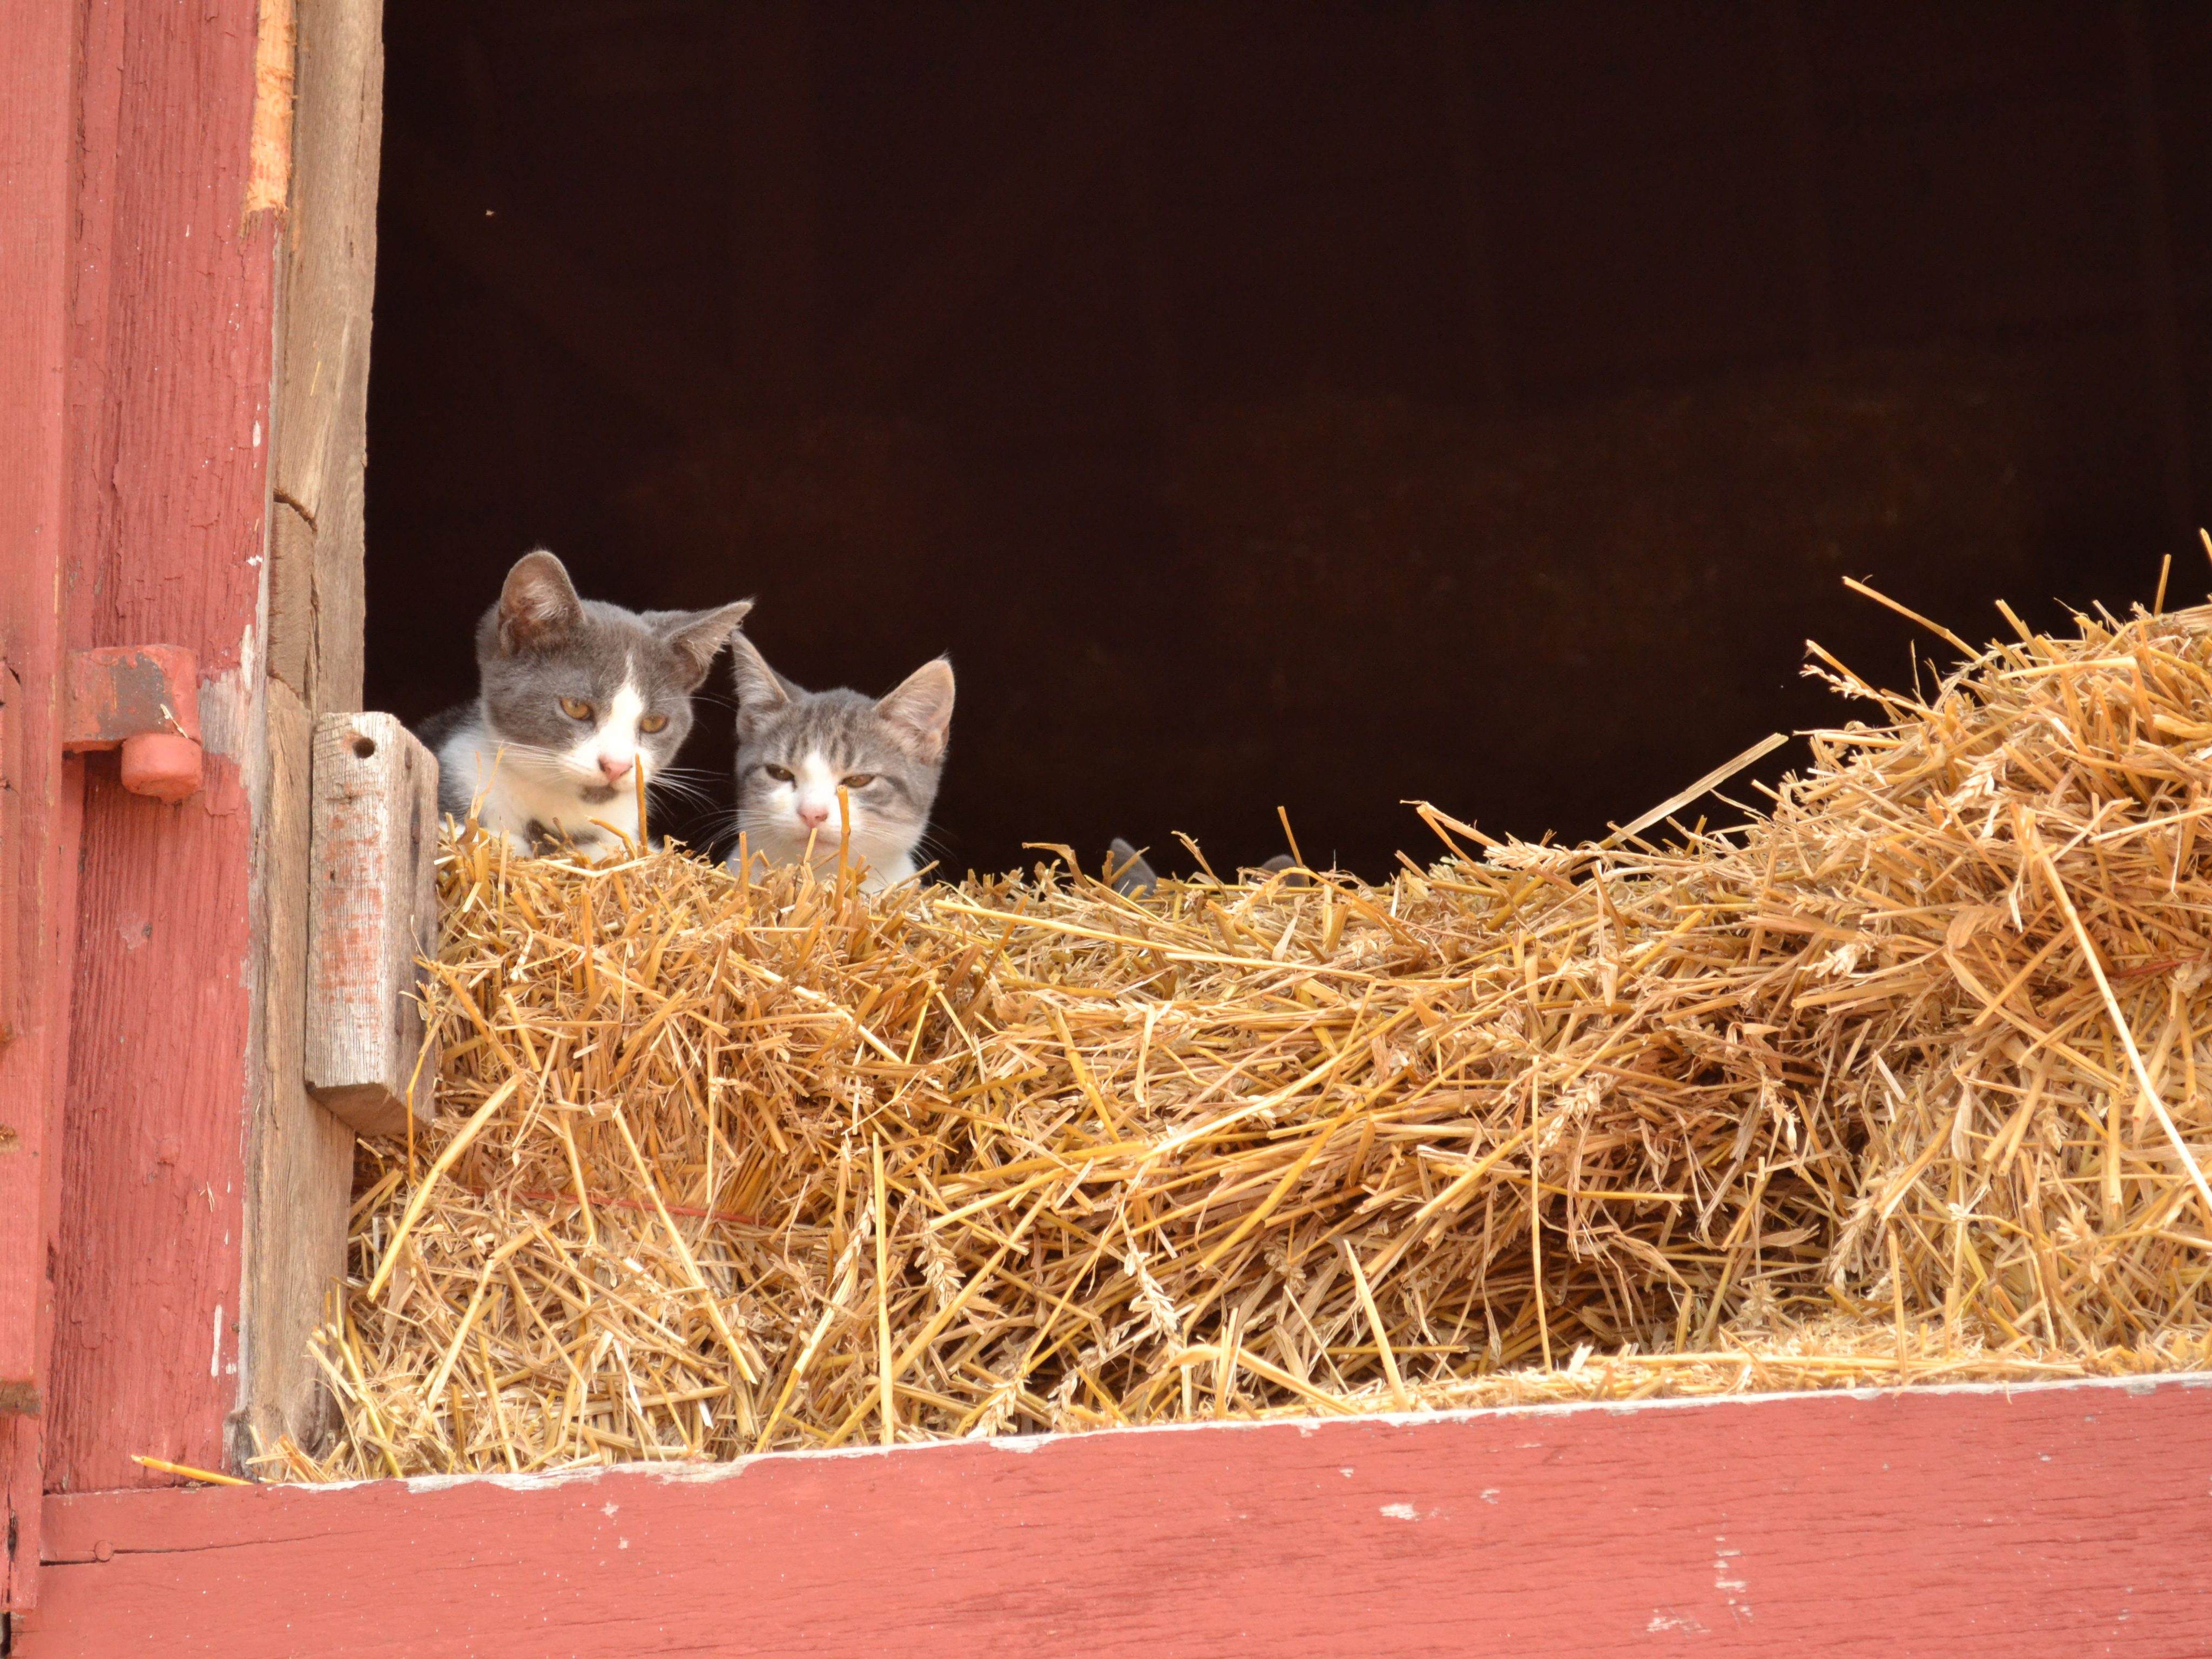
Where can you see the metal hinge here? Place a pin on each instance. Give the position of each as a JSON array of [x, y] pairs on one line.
[[143, 699]]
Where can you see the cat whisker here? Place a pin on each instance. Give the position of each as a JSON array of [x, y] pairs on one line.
[[683, 790], [683, 777]]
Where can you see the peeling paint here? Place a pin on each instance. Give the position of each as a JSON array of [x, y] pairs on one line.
[[1407, 1512]]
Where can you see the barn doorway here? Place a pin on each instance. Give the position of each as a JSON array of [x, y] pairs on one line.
[[1318, 406]]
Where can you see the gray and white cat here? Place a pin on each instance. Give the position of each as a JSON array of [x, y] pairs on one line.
[[574, 695], [796, 747]]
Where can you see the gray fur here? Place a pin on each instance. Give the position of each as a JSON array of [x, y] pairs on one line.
[[538, 645], [1127, 871], [1130, 875], [896, 742]]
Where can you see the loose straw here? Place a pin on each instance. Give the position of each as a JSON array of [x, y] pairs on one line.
[[889, 1414], [1823, 1101], [444, 1161], [164, 1467], [2127, 1037]]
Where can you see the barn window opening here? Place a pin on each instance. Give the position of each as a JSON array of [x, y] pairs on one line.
[[1312, 407]]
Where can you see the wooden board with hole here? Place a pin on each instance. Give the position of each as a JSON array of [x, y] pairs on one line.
[[372, 920]]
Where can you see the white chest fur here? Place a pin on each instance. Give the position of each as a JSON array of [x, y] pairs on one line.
[[519, 795]]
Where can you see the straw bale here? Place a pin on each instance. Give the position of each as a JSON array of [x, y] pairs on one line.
[[1897, 1081]]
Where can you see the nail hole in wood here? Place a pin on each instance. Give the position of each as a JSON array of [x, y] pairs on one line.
[[362, 746]]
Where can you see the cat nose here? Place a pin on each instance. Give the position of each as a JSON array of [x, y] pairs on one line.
[[813, 815], [617, 770]]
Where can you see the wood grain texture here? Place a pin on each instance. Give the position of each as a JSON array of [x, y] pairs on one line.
[[2058, 1521], [145, 1355], [171, 339], [372, 918], [41, 794], [330, 53], [301, 1164], [291, 595], [41, 1049], [327, 287], [35, 113]]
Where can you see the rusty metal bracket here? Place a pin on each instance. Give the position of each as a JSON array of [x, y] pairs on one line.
[[143, 699]]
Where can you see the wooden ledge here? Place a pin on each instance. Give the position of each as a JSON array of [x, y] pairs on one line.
[[2051, 1520]]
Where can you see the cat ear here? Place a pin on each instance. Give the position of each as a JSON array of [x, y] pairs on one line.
[[922, 708], [761, 691], [1128, 873], [697, 635], [538, 604]]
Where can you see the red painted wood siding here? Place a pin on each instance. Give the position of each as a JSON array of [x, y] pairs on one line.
[[39, 809], [172, 333], [2048, 1523]]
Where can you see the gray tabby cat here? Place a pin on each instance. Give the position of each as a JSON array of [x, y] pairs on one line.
[[796, 747], [574, 695]]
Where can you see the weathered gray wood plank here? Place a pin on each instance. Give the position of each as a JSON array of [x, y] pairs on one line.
[[300, 1159], [328, 286], [301, 1165], [372, 918]]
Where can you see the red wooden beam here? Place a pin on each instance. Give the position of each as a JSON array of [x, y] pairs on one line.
[[171, 328], [2050, 1521], [41, 794], [34, 201]]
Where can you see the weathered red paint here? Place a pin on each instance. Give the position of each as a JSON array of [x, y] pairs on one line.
[[119, 692], [40, 792], [171, 337], [167, 768], [143, 700], [2058, 1521], [34, 286]]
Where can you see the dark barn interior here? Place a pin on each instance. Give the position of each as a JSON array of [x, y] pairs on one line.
[[1309, 405]]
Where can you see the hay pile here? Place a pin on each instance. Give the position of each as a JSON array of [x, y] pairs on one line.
[[1900, 1079]]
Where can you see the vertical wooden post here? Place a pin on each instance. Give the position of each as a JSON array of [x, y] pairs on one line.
[[301, 1158], [40, 792], [170, 335]]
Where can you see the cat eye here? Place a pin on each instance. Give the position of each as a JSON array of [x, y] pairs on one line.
[[654, 723], [780, 774], [858, 780], [575, 709]]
